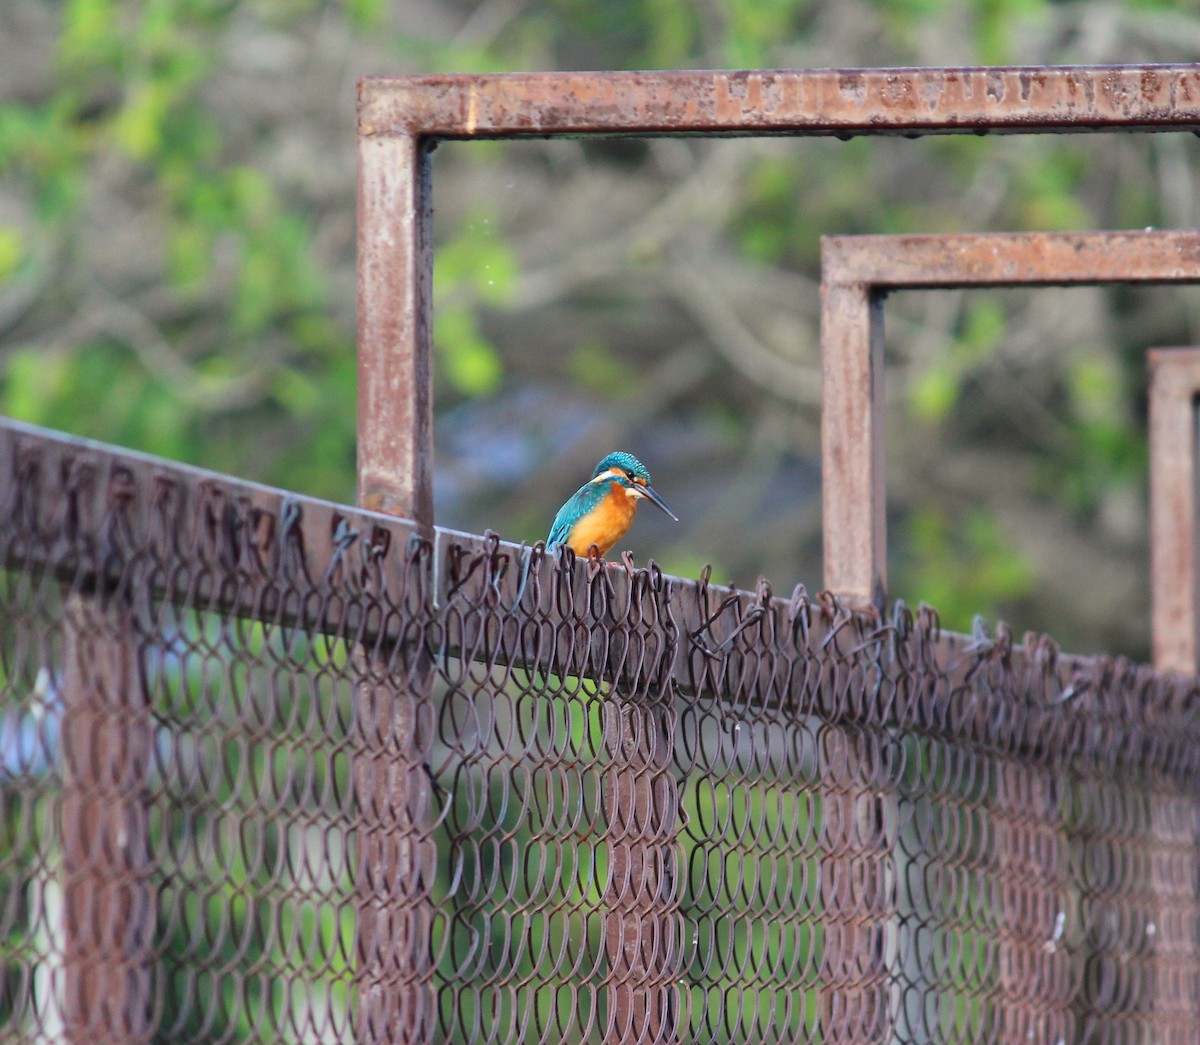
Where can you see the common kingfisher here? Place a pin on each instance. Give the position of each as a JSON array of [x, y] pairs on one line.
[[600, 511]]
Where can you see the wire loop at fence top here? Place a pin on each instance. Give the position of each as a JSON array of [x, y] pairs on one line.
[[275, 769]]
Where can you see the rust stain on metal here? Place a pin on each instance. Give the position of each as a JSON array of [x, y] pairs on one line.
[[897, 92], [851, 86], [472, 109]]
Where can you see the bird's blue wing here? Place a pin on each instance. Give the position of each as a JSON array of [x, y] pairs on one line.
[[578, 505], [560, 529]]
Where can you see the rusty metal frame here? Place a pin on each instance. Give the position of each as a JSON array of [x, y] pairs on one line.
[[402, 118], [857, 272], [1174, 508]]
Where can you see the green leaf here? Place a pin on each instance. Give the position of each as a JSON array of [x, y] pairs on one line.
[[933, 394], [1096, 389], [471, 364], [1049, 187], [90, 34], [298, 393], [366, 14], [673, 29], [756, 27], [12, 250], [593, 365], [189, 255], [32, 380], [476, 259], [251, 194], [138, 128], [982, 330], [961, 564], [998, 22]]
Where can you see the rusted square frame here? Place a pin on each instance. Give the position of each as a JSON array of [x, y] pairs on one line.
[[401, 118], [858, 271]]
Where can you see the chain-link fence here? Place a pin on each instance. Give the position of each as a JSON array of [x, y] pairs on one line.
[[277, 770]]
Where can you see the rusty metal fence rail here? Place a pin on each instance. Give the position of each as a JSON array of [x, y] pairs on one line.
[[278, 770]]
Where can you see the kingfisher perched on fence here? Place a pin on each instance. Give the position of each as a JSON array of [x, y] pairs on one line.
[[600, 511]]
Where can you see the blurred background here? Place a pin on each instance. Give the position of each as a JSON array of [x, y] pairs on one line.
[[177, 189]]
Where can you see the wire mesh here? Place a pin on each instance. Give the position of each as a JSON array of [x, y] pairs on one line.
[[277, 770]]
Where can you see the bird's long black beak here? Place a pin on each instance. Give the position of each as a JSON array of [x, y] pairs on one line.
[[658, 501]]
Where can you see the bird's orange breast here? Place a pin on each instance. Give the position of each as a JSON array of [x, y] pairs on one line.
[[605, 524]]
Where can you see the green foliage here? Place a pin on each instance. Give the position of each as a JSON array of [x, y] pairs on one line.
[[593, 365], [934, 392], [43, 152], [1049, 187], [1108, 452], [790, 201], [756, 30], [996, 24], [476, 262], [961, 565], [366, 14], [12, 250], [469, 361], [135, 410], [128, 95], [475, 268], [767, 231], [993, 24], [673, 32]]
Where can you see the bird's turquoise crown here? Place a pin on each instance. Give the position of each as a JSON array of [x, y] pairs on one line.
[[625, 462]]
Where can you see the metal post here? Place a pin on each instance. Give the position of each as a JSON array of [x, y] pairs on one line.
[[858, 893], [1174, 507], [1169, 938], [1032, 868], [395, 275], [107, 896], [396, 860], [641, 804], [853, 493], [396, 854]]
